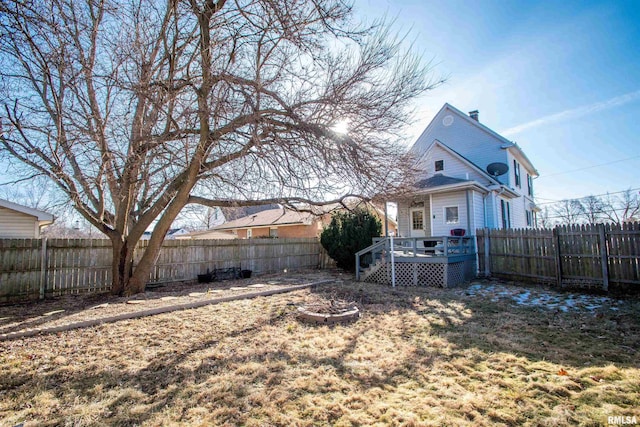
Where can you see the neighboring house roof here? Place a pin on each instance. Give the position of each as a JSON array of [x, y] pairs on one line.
[[231, 214], [176, 232], [506, 144], [44, 218], [208, 234], [271, 217]]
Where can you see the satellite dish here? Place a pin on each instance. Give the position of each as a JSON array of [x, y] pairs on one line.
[[497, 169]]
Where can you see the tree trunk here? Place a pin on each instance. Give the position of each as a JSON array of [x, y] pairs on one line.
[[139, 277], [122, 267]]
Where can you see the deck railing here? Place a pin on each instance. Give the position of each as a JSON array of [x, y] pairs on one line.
[[406, 248]]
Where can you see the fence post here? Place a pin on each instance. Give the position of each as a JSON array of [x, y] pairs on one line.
[[43, 268], [556, 238], [604, 257], [487, 256]]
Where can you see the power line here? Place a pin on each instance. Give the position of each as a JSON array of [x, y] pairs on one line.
[[577, 215], [551, 201], [588, 167]]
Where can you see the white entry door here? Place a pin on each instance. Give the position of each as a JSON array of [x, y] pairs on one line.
[[417, 222]]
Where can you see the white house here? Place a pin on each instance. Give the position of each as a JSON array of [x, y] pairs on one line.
[[470, 178], [21, 222]]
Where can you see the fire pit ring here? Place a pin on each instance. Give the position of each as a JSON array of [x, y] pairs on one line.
[[329, 314]]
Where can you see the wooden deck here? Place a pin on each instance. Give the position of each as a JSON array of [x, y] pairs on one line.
[[433, 261]]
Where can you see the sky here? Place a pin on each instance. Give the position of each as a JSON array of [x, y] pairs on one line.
[[560, 78]]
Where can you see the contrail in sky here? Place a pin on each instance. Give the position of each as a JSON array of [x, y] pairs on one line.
[[574, 113]]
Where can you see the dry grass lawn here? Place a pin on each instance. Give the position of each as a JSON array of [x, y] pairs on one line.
[[416, 357]]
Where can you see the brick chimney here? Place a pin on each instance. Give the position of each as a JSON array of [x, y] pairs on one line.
[[474, 115]]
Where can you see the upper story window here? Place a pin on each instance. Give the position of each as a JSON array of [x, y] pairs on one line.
[[529, 185], [516, 171], [439, 165]]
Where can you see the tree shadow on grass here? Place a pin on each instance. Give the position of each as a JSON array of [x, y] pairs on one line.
[[166, 382], [223, 383], [577, 337]]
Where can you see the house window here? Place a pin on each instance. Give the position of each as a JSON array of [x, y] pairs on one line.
[[506, 214], [249, 233], [439, 165], [417, 220], [529, 218], [451, 215], [529, 185], [516, 171], [273, 232]]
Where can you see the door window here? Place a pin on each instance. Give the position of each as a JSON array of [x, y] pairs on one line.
[[417, 220]]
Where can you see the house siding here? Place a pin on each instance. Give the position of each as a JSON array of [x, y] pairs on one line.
[[478, 211], [16, 225], [453, 166], [439, 202], [313, 230], [403, 219], [465, 138]]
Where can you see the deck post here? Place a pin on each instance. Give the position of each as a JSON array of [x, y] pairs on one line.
[[393, 263], [386, 220], [357, 268]]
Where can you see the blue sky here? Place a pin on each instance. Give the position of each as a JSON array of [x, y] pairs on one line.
[[562, 79]]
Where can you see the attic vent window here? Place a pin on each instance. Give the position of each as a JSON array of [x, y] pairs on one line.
[[439, 165]]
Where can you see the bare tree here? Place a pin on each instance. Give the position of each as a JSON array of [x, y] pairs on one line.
[[568, 211], [621, 208], [199, 217], [136, 109], [593, 209], [544, 218]]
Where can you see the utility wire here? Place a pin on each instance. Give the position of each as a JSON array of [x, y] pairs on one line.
[[588, 167], [551, 201]]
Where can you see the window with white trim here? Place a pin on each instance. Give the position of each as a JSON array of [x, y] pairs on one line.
[[273, 232], [451, 215], [439, 166], [506, 214], [516, 171], [249, 233], [529, 185]]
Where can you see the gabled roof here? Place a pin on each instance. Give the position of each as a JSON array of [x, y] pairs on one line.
[[271, 217], [440, 183], [38, 214], [462, 158], [438, 180], [506, 144]]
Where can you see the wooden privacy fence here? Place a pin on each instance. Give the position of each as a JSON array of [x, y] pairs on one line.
[[35, 268], [602, 256]]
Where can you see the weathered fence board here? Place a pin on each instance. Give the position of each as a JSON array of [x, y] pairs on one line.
[[74, 266], [590, 255]]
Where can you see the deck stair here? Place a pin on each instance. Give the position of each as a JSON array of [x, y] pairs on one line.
[[432, 261], [366, 272]]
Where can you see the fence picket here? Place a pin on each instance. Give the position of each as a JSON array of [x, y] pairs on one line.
[[590, 255], [84, 265]]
